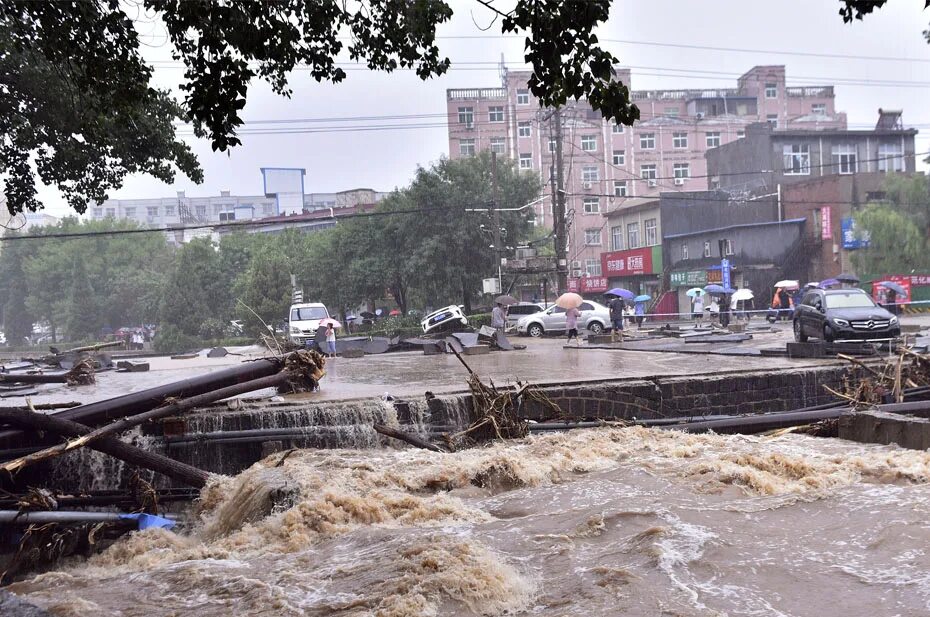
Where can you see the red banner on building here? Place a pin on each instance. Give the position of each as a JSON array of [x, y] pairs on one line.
[[826, 223], [588, 284], [627, 263], [880, 294]]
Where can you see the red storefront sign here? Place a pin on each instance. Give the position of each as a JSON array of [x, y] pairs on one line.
[[627, 263], [826, 223], [588, 284]]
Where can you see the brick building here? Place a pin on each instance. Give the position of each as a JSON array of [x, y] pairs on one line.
[[606, 163]]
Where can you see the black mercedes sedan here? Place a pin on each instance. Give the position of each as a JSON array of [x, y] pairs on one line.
[[840, 314]]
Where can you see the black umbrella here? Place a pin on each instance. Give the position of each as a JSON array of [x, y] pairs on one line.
[[506, 300], [367, 315], [848, 278]]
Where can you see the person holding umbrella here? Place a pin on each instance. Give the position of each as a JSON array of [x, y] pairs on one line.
[[697, 304], [616, 306], [639, 308], [570, 302], [499, 312]]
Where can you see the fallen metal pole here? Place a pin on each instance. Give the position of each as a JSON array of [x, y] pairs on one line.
[[36, 378], [145, 400], [27, 518], [759, 423], [413, 440]]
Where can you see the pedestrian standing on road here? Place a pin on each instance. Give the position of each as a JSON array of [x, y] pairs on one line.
[[639, 309], [697, 308], [725, 311], [571, 324], [891, 300], [784, 300], [331, 340], [499, 317], [616, 317]]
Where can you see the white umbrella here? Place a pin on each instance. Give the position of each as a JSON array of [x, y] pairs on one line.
[[786, 284], [742, 294]]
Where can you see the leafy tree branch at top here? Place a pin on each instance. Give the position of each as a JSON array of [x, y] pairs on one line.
[[77, 106]]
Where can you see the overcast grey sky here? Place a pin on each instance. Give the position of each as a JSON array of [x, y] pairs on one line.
[[386, 159]]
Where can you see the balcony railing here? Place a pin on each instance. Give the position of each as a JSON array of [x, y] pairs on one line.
[[810, 91], [459, 94], [640, 95]]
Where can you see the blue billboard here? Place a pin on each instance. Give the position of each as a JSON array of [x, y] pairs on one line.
[[851, 241]]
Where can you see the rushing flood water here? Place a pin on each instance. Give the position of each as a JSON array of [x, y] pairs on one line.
[[596, 523]]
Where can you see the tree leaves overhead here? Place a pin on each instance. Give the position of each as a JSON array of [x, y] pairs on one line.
[[77, 106], [857, 9], [567, 61]]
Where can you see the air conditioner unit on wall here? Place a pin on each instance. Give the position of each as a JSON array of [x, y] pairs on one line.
[[587, 186], [576, 265], [679, 181], [652, 184]]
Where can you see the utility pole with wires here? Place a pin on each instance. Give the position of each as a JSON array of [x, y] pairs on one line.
[[558, 210], [496, 220]]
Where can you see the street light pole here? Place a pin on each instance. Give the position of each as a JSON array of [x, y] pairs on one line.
[[558, 206], [497, 221]]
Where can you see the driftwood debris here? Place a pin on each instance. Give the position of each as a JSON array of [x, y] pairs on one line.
[[31, 421], [413, 440]]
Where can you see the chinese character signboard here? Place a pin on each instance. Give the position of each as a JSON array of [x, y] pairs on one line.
[[851, 240], [691, 278], [588, 284], [629, 263], [725, 273], [826, 223]]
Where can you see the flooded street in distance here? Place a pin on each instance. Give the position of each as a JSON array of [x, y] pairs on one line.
[[597, 522]]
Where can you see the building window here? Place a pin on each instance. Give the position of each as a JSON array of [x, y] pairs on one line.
[[619, 157], [819, 109], [111, 213], [617, 128], [497, 145], [227, 216], [773, 120], [682, 170], [647, 141], [592, 205], [552, 144], [616, 238], [741, 133], [713, 139], [844, 158], [467, 147], [684, 251], [201, 211], [707, 248], [466, 116], [524, 130], [727, 247], [797, 159], [672, 112], [589, 143], [169, 210], [651, 230], [152, 211], [523, 97], [267, 209], [632, 235], [890, 157], [592, 237], [592, 267], [679, 140], [496, 114], [129, 212], [620, 188], [98, 213], [526, 161], [648, 172], [771, 91], [589, 174]]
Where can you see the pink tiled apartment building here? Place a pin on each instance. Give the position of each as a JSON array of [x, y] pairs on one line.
[[605, 163]]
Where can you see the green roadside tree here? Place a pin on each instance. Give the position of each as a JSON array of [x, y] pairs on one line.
[[265, 290], [898, 228], [79, 101], [17, 318], [82, 310], [191, 293]]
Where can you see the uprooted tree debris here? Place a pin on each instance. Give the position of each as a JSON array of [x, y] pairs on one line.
[[98, 426]]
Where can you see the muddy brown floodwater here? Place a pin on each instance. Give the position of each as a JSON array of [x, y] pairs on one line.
[[598, 522]]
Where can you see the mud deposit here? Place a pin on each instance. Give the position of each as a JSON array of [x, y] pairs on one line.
[[596, 523]]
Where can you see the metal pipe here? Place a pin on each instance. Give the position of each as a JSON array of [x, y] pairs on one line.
[[26, 518]]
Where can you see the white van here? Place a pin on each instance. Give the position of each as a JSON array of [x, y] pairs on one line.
[[303, 321]]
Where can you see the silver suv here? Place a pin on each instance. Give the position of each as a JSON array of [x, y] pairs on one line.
[[594, 317]]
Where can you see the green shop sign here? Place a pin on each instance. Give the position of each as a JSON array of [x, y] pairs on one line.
[[691, 278]]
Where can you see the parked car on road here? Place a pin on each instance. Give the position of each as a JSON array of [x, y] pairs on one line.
[[303, 321], [594, 317], [515, 312], [449, 317], [838, 314]]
